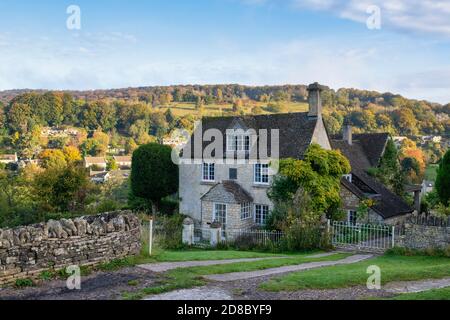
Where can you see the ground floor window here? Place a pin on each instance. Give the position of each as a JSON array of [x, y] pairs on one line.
[[261, 214], [220, 214], [352, 217], [246, 212]]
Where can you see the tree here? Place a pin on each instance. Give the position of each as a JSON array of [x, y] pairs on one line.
[[443, 179], [19, 117], [62, 189], [72, 154], [52, 158], [153, 174], [319, 174], [112, 165], [93, 148], [130, 146]]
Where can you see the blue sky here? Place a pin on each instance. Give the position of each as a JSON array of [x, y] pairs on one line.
[[255, 42]]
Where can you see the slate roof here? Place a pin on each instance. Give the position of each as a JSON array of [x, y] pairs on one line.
[[364, 153], [228, 192], [295, 130], [388, 204], [95, 160]]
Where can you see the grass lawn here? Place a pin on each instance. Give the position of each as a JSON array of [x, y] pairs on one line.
[[436, 294], [183, 278], [393, 268], [196, 255]]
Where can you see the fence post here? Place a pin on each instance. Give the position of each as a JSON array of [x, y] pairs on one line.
[[150, 242], [393, 236], [188, 231]]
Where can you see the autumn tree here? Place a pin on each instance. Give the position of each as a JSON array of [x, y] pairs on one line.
[[52, 158], [72, 154]]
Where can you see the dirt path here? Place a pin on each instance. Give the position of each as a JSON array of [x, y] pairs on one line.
[[274, 271], [97, 286], [417, 286]]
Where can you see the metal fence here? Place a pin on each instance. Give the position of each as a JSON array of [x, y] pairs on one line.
[[202, 236], [254, 237], [377, 237]]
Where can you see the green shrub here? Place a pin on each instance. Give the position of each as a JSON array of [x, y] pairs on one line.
[[303, 237], [22, 283], [168, 231]]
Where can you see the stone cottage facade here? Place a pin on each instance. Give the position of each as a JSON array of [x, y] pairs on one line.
[[227, 183], [365, 151]]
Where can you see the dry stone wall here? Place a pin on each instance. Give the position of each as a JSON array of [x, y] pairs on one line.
[[25, 252], [418, 236]]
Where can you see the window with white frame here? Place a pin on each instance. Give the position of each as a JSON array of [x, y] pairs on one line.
[[220, 214], [352, 217], [246, 211], [208, 173], [261, 214], [238, 142], [261, 173], [348, 177]]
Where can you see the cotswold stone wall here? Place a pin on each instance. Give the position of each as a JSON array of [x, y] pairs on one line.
[[416, 236], [27, 251]]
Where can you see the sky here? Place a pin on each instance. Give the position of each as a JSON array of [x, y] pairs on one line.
[[129, 43]]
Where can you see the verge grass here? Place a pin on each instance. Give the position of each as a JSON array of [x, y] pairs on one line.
[[393, 268]]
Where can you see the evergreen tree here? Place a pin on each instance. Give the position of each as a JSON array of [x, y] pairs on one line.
[[443, 179]]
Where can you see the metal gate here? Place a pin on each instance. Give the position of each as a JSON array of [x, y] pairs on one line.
[[362, 237]]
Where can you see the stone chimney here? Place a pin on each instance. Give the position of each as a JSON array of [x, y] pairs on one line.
[[314, 99], [348, 135]]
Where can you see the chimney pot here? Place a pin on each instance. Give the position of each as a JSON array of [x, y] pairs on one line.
[[314, 99], [348, 134]]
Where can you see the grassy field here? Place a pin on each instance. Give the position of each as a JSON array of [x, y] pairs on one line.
[[192, 277], [437, 294], [431, 172], [197, 255], [393, 268], [183, 109]]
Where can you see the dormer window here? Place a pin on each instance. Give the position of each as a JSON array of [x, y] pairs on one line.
[[348, 177], [238, 142]]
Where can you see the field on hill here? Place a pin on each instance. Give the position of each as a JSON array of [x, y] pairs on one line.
[[185, 108]]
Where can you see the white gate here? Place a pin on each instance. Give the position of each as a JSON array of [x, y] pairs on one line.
[[362, 237]]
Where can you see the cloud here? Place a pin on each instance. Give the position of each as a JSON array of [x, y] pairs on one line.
[[426, 16]]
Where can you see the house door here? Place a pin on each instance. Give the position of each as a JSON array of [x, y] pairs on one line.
[[220, 214]]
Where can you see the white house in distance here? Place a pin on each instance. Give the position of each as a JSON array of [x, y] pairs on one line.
[[123, 161], [8, 158], [99, 162]]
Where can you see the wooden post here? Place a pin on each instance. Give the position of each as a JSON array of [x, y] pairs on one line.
[[150, 242]]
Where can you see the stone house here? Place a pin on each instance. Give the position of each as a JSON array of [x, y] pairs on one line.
[[228, 184], [96, 163], [364, 151], [124, 162], [8, 158]]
